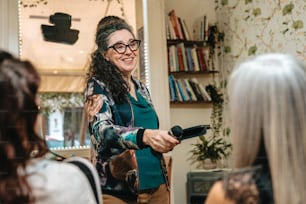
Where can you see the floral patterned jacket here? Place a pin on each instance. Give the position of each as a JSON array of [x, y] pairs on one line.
[[112, 132]]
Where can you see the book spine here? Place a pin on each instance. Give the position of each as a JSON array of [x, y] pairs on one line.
[[173, 96], [175, 22], [201, 58], [178, 91], [194, 56], [190, 90], [194, 87], [180, 58], [189, 59], [186, 31]]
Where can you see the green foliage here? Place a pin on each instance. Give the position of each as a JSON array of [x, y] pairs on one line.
[[256, 12], [227, 49], [287, 10], [224, 2], [51, 102], [215, 37], [211, 148], [252, 50], [214, 146], [298, 24]]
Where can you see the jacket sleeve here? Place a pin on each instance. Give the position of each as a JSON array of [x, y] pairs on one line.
[[99, 106]]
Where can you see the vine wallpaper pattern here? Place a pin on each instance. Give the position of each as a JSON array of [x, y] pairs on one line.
[[253, 27]]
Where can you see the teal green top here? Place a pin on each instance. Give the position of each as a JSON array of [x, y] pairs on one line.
[[149, 167]]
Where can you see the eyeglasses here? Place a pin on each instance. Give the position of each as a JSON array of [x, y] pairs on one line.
[[121, 47]]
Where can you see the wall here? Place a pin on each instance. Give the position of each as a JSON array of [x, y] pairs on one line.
[[254, 27], [263, 26], [155, 40], [9, 26]]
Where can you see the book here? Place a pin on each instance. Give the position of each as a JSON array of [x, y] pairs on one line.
[[181, 83], [189, 59], [196, 90], [173, 95], [180, 58], [170, 60], [202, 89], [184, 55], [179, 93], [170, 29], [205, 37], [190, 90], [173, 63], [194, 55], [176, 24], [200, 28], [206, 57], [205, 93], [201, 58], [182, 29], [186, 31]]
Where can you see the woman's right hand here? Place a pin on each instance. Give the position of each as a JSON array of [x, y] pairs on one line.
[[159, 140]]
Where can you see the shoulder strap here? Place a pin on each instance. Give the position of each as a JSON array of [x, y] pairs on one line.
[[89, 176]]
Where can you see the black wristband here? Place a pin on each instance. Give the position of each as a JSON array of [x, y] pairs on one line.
[[139, 139]]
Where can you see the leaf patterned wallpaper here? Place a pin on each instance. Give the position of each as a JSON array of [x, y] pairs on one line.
[[254, 27]]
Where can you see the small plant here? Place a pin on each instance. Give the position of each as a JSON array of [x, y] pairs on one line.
[[50, 102], [214, 41], [215, 145], [211, 148]]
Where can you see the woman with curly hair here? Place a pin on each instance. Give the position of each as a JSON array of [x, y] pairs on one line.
[[123, 123], [25, 176]]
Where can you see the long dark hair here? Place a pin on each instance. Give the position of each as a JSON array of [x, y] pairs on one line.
[[19, 83], [102, 69]]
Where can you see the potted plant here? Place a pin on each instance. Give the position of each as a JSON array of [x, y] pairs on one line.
[[215, 146], [208, 151]]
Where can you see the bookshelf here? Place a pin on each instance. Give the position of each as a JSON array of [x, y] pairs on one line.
[[186, 114], [188, 58]]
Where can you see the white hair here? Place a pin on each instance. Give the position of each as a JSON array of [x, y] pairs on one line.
[[267, 99]]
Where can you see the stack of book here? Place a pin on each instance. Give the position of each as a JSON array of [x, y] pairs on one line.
[[178, 29], [200, 29], [187, 90], [182, 58]]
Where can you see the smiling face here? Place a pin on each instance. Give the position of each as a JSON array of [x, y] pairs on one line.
[[125, 62]]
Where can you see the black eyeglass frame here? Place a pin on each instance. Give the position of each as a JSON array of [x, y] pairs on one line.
[[126, 45]]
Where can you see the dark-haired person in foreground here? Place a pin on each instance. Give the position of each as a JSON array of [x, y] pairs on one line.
[[26, 177]]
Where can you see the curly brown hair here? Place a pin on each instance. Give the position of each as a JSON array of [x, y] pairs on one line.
[[19, 82], [102, 69]]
